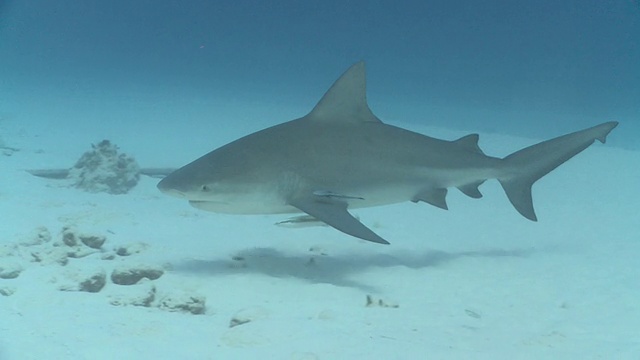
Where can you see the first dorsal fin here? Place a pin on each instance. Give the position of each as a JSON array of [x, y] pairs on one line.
[[346, 100], [470, 143]]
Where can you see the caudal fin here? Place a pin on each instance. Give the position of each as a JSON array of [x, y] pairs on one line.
[[525, 167]]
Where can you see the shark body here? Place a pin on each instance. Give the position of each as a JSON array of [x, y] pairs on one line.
[[341, 156]]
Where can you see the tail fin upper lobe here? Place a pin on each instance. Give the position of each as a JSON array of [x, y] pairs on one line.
[[525, 167]]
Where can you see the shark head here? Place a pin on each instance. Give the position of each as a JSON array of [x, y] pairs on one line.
[[222, 182], [195, 182]]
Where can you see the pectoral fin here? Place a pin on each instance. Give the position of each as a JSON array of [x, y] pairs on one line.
[[334, 213]]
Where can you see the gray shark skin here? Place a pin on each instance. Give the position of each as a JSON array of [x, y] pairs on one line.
[[341, 156]]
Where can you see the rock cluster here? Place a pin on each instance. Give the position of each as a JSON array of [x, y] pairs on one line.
[[80, 261], [105, 169]]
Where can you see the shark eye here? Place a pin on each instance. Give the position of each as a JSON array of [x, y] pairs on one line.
[[205, 188]]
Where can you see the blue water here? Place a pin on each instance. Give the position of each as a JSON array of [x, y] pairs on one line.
[[535, 68]]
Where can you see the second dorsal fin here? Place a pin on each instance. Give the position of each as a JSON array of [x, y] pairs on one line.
[[470, 143]]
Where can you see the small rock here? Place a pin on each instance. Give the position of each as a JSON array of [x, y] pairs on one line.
[[130, 249], [141, 294], [38, 236], [473, 313], [80, 245], [129, 275], [373, 302], [248, 315], [108, 256], [8, 250], [87, 280], [183, 302], [7, 290], [318, 250], [9, 269], [93, 241], [51, 255], [69, 237], [78, 252], [94, 283]]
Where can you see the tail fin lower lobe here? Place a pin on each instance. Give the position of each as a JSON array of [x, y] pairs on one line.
[[523, 168]]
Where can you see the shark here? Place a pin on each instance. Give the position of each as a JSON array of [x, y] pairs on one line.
[[341, 156]]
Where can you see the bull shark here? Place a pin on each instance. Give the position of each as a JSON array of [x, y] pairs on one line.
[[341, 156]]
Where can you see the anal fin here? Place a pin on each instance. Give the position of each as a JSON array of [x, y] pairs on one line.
[[471, 189], [435, 197]]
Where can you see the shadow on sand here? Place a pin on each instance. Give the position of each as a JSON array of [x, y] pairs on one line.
[[337, 270]]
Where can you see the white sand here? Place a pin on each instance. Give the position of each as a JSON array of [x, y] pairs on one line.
[[478, 281]]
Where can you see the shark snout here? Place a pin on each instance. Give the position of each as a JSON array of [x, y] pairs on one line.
[[167, 187]]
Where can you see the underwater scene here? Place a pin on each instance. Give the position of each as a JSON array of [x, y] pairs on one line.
[[319, 180]]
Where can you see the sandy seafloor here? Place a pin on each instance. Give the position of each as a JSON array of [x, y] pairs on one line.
[[477, 281]]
